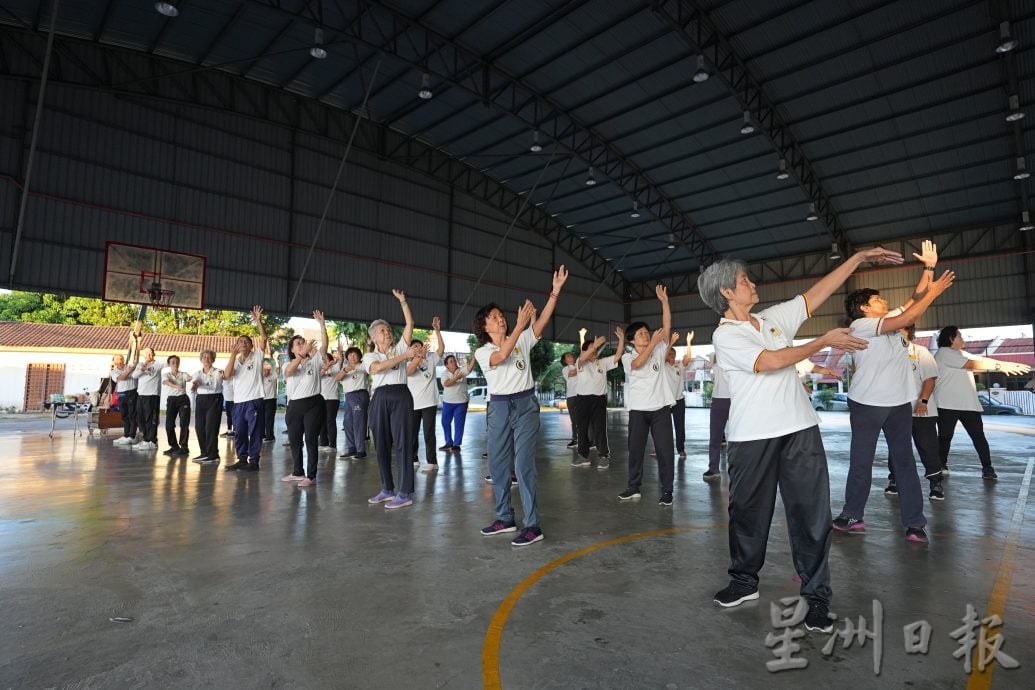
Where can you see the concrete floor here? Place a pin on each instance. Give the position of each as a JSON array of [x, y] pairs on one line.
[[246, 581]]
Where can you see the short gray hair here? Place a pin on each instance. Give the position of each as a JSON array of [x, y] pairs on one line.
[[374, 324], [210, 353], [720, 275]]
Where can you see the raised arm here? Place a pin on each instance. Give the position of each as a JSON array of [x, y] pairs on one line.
[[318, 315], [594, 347], [689, 348], [656, 339], [1002, 366], [559, 278], [831, 282], [841, 338], [524, 317], [257, 320], [666, 314], [911, 314], [437, 326], [378, 367], [407, 334], [928, 256]]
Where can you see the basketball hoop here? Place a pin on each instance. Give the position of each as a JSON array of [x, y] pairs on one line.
[[158, 296], [151, 286]]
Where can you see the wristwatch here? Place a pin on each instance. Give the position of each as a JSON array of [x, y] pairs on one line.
[[924, 401], [998, 366]]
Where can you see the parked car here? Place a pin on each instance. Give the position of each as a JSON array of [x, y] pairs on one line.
[[477, 397], [839, 403], [990, 405]]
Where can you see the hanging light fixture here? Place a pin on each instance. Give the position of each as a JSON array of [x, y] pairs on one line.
[[1022, 172], [1015, 109], [1026, 222], [812, 213], [1006, 42], [636, 210], [783, 174], [535, 147], [425, 87], [748, 128], [317, 50], [701, 75], [590, 180], [167, 8], [672, 240], [835, 253]]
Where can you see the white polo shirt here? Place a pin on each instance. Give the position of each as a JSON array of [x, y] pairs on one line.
[[423, 385], [883, 374], [248, 377], [395, 375], [129, 384], [355, 380], [269, 385], [512, 375], [178, 380], [924, 367], [593, 375], [571, 382], [720, 381], [675, 374], [305, 381], [647, 388], [328, 385], [457, 393], [149, 378], [210, 383], [766, 404], [228, 390], [956, 388]]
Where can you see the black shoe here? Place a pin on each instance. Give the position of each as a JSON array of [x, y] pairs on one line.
[[735, 594], [455, 449], [936, 492], [818, 618], [172, 451], [250, 467], [358, 456], [666, 499], [710, 476], [446, 447], [572, 443], [239, 465], [485, 455], [989, 474], [892, 489], [350, 454], [628, 494]]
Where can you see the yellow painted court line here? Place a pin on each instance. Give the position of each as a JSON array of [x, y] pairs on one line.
[[494, 635], [982, 680]]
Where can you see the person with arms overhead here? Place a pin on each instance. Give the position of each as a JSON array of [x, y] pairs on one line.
[[773, 438]]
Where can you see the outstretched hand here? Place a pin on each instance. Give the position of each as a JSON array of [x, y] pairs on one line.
[[436, 324], [880, 255], [662, 292], [525, 315], [399, 295], [673, 339], [689, 337], [318, 315], [599, 342], [256, 313], [560, 276], [843, 339], [943, 283], [928, 254]]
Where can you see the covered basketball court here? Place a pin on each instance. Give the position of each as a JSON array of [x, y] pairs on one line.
[[315, 154]]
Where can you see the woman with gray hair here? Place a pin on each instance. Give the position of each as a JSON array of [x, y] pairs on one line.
[[391, 408], [773, 434]]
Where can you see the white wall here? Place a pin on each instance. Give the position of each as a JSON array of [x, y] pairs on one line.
[[81, 371]]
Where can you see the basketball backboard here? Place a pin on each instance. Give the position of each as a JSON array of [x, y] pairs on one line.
[[157, 277]]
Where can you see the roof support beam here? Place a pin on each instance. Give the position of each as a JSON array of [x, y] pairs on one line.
[[699, 32], [418, 46], [223, 91]]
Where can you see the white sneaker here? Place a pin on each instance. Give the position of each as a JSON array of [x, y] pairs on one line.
[[122, 441], [145, 445]]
